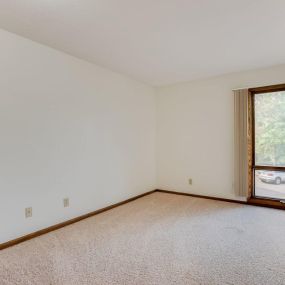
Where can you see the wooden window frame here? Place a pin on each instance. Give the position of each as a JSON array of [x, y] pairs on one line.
[[251, 148]]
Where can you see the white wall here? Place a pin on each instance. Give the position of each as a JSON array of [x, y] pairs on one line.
[[195, 132], [68, 129]]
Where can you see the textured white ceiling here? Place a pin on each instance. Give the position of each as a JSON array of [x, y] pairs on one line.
[[156, 41]]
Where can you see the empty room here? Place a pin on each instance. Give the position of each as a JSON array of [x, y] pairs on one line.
[[142, 142]]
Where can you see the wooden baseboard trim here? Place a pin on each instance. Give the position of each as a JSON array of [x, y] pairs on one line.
[[69, 222], [251, 201], [202, 196], [266, 203]]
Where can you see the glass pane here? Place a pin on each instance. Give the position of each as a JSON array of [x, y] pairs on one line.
[[270, 184], [270, 128]]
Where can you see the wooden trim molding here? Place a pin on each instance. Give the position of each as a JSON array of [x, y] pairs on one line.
[[253, 202], [250, 142], [267, 89], [201, 196], [270, 168], [266, 203], [69, 222]]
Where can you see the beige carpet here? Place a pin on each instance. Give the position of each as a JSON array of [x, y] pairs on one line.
[[159, 239]]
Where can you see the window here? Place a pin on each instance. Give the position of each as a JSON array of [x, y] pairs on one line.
[[268, 142]]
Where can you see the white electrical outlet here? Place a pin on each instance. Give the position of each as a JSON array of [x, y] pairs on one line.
[[190, 181], [29, 212], [66, 202]]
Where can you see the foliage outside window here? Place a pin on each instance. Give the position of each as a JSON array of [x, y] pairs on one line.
[[270, 129]]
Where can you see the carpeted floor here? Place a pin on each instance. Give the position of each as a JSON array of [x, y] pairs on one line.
[[158, 239]]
